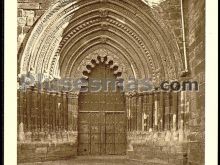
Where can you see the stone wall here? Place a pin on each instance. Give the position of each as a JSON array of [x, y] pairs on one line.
[[194, 15], [29, 11], [165, 147], [195, 38], [170, 12], [37, 152]]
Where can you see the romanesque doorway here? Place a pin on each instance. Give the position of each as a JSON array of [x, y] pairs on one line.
[[102, 115]]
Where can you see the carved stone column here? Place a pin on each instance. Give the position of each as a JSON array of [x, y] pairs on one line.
[[36, 112], [72, 115], [156, 107], [181, 130], [29, 105], [174, 111], [129, 106], [42, 115], [128, 110], [144, 116], [21, 135], [53, 110], [162, 112], [65, 109], [167, 111], [75, 110], [139, 111], [150, 112]]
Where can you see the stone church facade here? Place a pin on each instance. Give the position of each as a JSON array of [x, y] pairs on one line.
[[120, 40]]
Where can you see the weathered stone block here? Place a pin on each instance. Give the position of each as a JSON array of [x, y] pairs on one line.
[[19, 30], [30, 21], [44, 5], [22, 21], [44, 152], [20, 13], [28, 13], [41, 150], [175, 15], [28, 6], [31, 1], [39, 12]]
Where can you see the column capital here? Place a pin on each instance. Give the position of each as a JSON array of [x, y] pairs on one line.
[[74, 94], [59, 94], [131, 93], [53, 93]]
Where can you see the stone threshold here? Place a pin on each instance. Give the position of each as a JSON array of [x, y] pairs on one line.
[[102, 159], [151, 162]]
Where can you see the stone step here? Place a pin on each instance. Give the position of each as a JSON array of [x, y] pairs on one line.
[[102, 160], [151, 162], [103, 157]]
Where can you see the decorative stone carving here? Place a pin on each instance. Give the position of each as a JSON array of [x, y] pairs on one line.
[[181, 135], [130, 147], [155, 136], [73, 95], [103, 13], [72, 136], [59, 136], [168, 136], [28, 136], [48, 136], [100, 53], [22, 21], [103, 39], [175, 136], [65, 136], [53, 137], [42, 136], [131, 94]]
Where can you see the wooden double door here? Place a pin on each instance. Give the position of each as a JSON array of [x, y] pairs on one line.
[[102, 118]]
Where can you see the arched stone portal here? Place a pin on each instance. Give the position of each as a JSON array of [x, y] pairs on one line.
[[71, 40]]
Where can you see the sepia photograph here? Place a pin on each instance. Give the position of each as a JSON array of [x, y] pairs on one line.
[[111, 82]]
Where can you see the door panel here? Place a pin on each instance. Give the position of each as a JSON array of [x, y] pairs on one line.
[[84, 138], [110, 138], [120, 138], [120, 149], [110, 128], [84, 149], [110, 148], [102, 118], [95, 149]]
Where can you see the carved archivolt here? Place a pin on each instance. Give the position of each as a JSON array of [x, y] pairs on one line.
[[102, 54], [38, 54], [49, 41]]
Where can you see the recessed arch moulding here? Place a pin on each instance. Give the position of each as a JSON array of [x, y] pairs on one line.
[[72, 33]]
